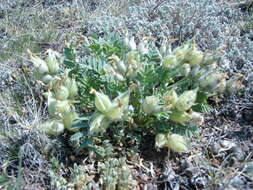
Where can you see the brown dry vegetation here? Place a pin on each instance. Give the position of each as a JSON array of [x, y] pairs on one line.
[[220, 158]]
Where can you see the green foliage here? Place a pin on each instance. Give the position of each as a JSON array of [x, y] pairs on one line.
[[61, 93], [115, 174], [7, 182], [164, 94], [128, 88], [78, 178]]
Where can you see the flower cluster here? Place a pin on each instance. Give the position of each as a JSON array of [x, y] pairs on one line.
[[59, 100], [158, 84], [109, 111], [130, 64], [173, 141], [60, 95], [45, 70], [200, 67], [185, 62]]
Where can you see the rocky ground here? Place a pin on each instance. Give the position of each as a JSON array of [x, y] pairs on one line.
[[221, 157]]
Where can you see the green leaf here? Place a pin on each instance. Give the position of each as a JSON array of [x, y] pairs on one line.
[[203, 108], [188, 131], [70, 56], [88, 143], [95, 47], [77, 136], [95, 37], [69, 63], [69, 52], [4, 179], [202, 97]]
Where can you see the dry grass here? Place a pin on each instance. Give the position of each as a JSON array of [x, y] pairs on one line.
[[25, 153], [37, 25]]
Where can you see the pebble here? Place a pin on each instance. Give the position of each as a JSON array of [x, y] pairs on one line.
[[214, 148], [238, 153], [237, 182], [248, 169]]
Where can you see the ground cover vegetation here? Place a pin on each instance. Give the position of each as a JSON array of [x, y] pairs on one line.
[[126, 94]]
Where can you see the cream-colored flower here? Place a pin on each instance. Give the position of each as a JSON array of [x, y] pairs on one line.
[[186, 100], [176, 143], [102, 101], [150, 105]]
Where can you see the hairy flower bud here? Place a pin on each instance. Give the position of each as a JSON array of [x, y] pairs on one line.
[[185, 69], [49, 96], [119, 77], [132, 56], [42, 68], [118, 64], [131, 72], [52, 127], [126, 39], [52, 62], [99, 123], [209, 59], [150, 105], [186, 100], [211, 67], [234, 84], [71, 85], [136, 65], [121, 67], [179, 116], [181, 51], [123, 98], [170, 97], [114, 112], [58, 107], [221, 86], [196, 119], [211, 80], [61, 93], [40, 64], [195, 58], [47, 78], [102, 102], [160, 140], [68, 119], [176, 143], [170, 61]]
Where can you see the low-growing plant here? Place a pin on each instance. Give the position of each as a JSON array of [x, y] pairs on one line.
[[60, 95], [115, 174], [78, 178], [127, 89]]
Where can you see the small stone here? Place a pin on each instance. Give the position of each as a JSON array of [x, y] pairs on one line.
[[227, 144], [214, 148], [191, 171], [199, 182], [184, 164], [238, 153], [237, 182], [248, 169]]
